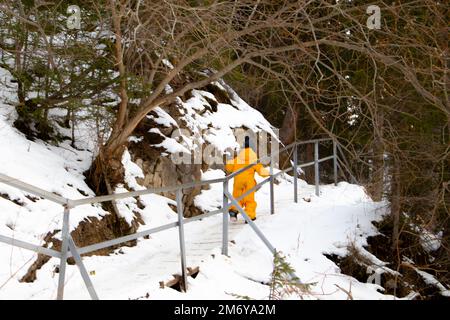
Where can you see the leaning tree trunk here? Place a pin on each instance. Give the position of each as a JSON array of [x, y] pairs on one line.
[[288, 134], [107, 169], [378, 159], [395, 204]]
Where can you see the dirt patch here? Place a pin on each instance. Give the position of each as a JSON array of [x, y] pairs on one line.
[[33, 122], [349, 265], [16, 201], [410, 248], [177, 282], [90, 231], [161, 171], [357, 267], [42, 259], [221, 95]]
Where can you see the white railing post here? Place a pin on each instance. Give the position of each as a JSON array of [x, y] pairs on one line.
[[82, 268], [335, 173], [64, 247], [316, 167], [272, 200], [225, 219], [295, 174], [181, 236]]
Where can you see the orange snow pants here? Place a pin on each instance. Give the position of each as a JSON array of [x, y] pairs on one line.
[[244, 181], [248, 203]]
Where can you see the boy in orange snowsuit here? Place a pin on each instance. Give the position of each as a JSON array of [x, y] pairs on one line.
[[245, 180]]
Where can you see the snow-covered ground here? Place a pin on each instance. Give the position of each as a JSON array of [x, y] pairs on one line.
[[341, 216]]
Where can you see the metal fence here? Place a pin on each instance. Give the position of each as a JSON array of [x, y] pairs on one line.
[[69, 249]]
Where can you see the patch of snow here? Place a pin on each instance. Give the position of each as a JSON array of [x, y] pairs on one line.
[[211, 199], [126, 207], [431, 280], [216, 127], [168, 89], [167, 63], [430, 242], [163, 118], [135, 139], [171, 145], [156, 209]]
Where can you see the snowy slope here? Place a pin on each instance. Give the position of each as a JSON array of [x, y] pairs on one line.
[[57, 169]]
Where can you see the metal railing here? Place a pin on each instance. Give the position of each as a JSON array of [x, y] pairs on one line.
[[69, 249]]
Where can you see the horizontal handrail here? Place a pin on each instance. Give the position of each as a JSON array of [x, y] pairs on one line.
[[29, 246], [203, 216], [116, 241], [314, 141], [141, 234], [123, 195], [326, 158], [259, 160], [32, 189], [232, 175]]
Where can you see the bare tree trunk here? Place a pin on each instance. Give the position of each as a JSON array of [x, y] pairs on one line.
[[395, 203], [378, 158], [288, 130], [288, 133], [309, 156], [18, 70]]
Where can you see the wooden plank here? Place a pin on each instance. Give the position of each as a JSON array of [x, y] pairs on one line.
[[177, 278]]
